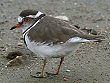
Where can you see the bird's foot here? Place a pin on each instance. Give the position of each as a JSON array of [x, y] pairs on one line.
[[51, 74], [38, 75]]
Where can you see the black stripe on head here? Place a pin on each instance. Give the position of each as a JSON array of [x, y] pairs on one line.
[[25, 13]]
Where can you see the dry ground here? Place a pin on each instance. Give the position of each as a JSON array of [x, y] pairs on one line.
[[90, 64]]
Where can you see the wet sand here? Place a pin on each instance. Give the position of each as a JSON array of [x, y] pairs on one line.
[[89, 64]]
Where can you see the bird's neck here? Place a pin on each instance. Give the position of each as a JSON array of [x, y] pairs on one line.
[[26, 25]]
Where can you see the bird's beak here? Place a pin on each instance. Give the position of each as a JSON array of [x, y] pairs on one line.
[[17, 25], [13, 27]]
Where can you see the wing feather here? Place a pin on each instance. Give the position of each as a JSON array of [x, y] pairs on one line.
[[56, 30]]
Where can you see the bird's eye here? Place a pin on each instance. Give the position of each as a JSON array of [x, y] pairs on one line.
[[26, 19]]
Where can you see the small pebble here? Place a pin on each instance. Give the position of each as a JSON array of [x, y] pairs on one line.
[[0, 39], [63, 1], [97, 26], [65, 79], [2, 69], [67, 70], [3, 33], [91, 47], [105, 31], [75, 3], [20, 44]]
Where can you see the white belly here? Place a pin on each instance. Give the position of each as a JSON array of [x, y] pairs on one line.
[[51, 51]]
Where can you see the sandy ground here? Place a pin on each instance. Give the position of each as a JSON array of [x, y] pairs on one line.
[[90, 64]]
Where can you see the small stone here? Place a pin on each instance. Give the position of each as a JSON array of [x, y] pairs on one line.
[[0, 39], [97, 26], [2, 69], [105, 31], [91, 47], [20, 44], [75, 3], [65, 79], [67, 70], [63, 1], [2, 33]]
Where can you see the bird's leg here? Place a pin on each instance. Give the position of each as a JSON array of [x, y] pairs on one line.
[[42, 71], [57, 72]]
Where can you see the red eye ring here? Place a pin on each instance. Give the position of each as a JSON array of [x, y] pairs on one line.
[[26, 19]]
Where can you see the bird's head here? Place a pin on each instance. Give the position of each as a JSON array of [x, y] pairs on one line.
[[25, 17]]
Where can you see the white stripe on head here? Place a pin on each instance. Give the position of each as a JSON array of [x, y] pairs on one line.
[[20, 19], [31, 16], [38, 14], [35, 16]]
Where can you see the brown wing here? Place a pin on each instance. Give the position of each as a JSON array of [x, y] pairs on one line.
[[56, 30]]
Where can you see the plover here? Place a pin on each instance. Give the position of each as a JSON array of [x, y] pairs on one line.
[[50, 37]]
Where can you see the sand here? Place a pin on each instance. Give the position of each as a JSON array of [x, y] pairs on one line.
[[89, 64]]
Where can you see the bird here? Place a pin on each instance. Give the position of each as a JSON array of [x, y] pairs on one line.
[[50, 37]]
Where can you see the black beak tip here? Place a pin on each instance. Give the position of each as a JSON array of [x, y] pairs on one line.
[[13, 27]]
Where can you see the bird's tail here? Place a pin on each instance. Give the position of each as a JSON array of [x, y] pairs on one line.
[[95, 38]]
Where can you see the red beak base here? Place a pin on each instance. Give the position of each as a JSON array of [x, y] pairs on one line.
[[18, 25]]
